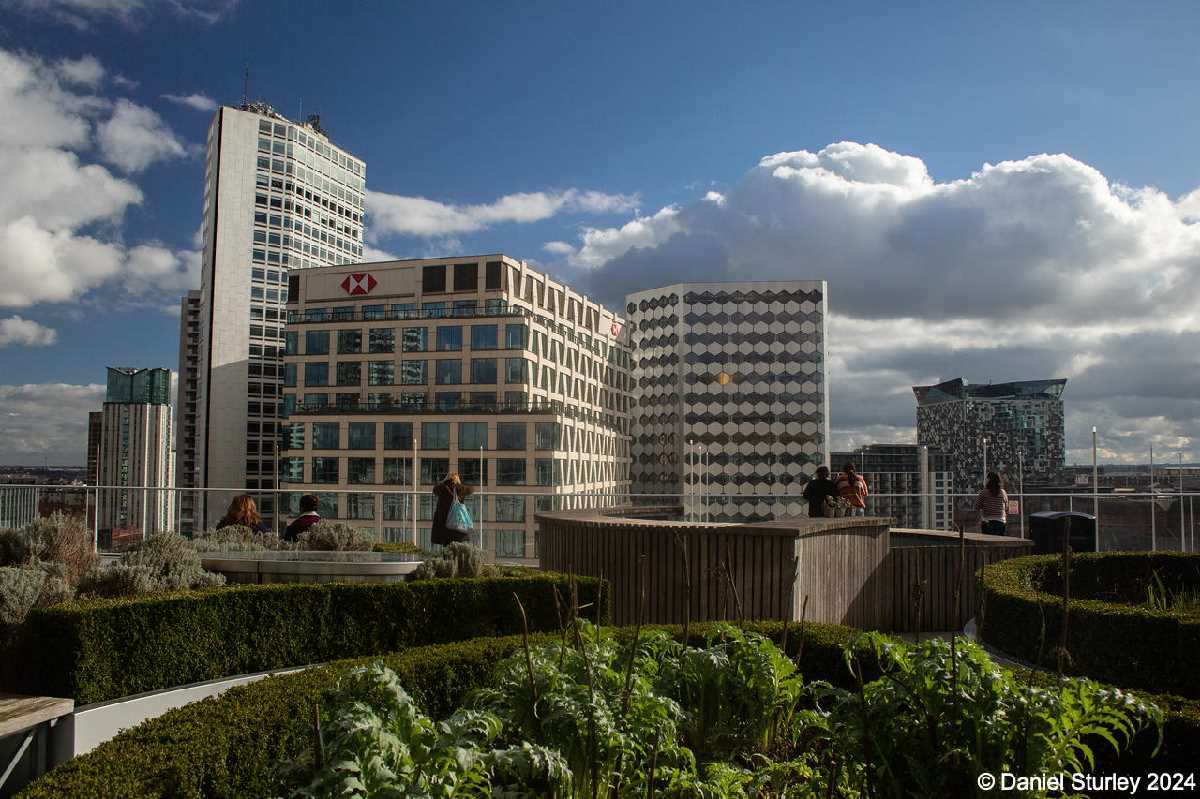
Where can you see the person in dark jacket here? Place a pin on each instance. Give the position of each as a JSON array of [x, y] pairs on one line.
[[446, 492], [307, 518], [242, 511], [817, 489]]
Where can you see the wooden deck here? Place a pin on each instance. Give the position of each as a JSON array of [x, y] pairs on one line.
[[19, 713]]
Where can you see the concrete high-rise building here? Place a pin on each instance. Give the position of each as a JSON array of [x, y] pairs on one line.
[[278, 196], [135, 451], [1022, 421], [730, 394], [95, 427], [400, 372], [187, 395], [909, 482]]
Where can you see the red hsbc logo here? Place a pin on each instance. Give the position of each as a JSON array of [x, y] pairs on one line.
[[359, 284], [616, 329]]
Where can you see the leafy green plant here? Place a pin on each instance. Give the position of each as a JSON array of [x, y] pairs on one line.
[[458, 559], [14, 548], [19, 591], [57, 538], [238, 538], [334, 537], [1164, 600]]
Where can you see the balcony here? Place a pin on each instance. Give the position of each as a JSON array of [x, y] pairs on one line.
[[460, 408], [355, 315]]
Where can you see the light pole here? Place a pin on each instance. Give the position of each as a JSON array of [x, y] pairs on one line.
[[1153, 532], [1182, 542], [1095, 489], [985, 471], [1021, 488]]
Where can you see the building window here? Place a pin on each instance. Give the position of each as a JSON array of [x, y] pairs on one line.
[[510, 471], [416, 339], [382, 339], [349, 341], [381, 373], [316, 342], [314, 401], [464, 309], [448, 373], [316, 374], [360, 471], [347, 401], [397, 435], [360, 506], [325, 470], [435, 435], [509, 509], [447, 400], [472, 435], [289, 375], [293, 436], [494, 271], [436, 310], [433, 279], [291, 470], [510, 435], [466, 277], [449, 338], [413, 373], [483, 371], [291, 343], [546, 435], [515, 336], [397, 471], [514, 370], [434, 470], [473, 471], [326, 435], [544, 471], [484, 337], [349, 373], [362, 435], [374, 312], [510, 543]]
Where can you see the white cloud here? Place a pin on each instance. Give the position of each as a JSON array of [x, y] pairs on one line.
[[1032, 268], [154, 267], [393, 214], [25, 332], [135, 137], [46, 421], [373, 254], [40, 265], [83, 14], [85, 71], [195, 101], [54, 188]]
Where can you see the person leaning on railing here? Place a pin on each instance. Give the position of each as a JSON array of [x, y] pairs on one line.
[[992, 505], [852, 487]]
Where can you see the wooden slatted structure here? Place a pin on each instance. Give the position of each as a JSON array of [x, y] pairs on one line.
[[765, 569]]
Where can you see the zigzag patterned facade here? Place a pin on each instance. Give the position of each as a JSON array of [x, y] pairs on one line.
[[737, 369]]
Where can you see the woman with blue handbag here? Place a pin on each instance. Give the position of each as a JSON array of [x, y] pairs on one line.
[[451, 521]]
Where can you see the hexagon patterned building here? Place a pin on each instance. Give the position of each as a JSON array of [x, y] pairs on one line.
[[730, 399]]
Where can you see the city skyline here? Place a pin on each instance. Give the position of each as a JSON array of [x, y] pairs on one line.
[[950, 244]]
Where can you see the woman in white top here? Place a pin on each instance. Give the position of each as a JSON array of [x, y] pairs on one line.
[[992, 504]]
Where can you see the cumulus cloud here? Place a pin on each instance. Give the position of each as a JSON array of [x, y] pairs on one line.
[[195, 101], [32, 435], [1032, 268], [86, 71], [393, 214], [135, 137], [25, 332]]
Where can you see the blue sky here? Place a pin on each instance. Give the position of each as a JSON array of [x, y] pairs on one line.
[[658, 105]]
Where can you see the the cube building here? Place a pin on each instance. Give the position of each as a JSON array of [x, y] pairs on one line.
[[397, 373], [730, 399]]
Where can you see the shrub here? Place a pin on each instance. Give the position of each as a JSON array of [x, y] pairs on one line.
[[63, 539], [1022, 615], [237, 538], [459, 559], [14, 548], [164, 562], [100, 649], [19, 590], [401, 548], [229, 746], [334, 537]]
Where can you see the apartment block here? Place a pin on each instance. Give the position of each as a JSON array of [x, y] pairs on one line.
[[135, 451], [278, 196], [1022, 422], [730, 398], [95, 428], [400, 372], [186, 399], [908, 482]]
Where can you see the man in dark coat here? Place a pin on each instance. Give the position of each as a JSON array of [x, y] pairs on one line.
[[817, 490]]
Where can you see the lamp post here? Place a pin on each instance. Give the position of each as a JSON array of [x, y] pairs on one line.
[[1153, 532], [1182, 541], [1095, 489], [1021, 488]]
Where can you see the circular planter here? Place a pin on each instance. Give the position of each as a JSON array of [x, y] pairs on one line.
[[311, 567]]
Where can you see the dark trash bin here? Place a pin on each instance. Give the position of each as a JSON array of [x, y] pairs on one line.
[[1046, 530]]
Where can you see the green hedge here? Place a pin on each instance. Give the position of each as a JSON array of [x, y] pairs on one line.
[[105, 649], [228, 746], [1114, 642]]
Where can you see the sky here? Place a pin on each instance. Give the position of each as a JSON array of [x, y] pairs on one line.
[[993, 191]]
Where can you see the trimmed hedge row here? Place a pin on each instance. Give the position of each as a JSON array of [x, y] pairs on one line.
[[229, 746], [99, 650], [1114, 642]]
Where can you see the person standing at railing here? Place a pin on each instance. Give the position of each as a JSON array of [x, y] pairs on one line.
[[852, 487], [307, 518], [816, 491], [447, 492], [992, 506]]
